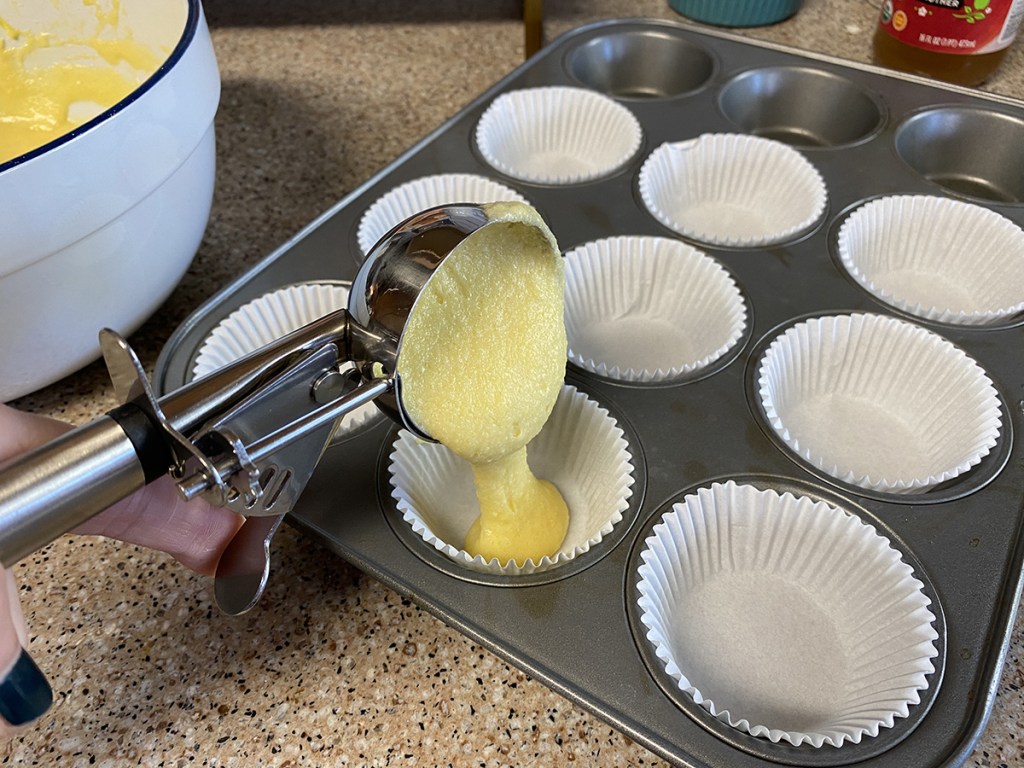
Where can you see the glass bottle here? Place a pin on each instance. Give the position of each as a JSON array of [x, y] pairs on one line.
[[959, 41]]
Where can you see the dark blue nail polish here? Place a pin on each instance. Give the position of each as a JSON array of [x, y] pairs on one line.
[[24, 693]]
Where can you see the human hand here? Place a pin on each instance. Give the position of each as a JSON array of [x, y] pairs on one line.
[[194, 533]]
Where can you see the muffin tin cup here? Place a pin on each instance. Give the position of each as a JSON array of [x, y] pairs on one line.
[[801, 106], [878, 402], [785, 617], [936, 258], [641, 64], [557, 135], [649, 309], [940, 145], [270, 317], [580, 450], [733, 190]]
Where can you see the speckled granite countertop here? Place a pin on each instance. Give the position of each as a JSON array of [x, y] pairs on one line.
[[331, 668]]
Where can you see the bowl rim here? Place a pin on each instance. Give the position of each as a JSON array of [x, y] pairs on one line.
[[187, 35]]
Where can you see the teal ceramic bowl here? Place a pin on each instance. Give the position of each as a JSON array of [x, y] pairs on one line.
[[736, 13]]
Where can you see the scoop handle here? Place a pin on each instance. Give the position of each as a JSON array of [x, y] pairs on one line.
[[58, 486]]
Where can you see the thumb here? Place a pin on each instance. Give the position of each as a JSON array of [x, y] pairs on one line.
[[24, 693]]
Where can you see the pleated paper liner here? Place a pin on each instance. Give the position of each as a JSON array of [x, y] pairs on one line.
[[733, 190], [581, 450], [649, 309], [557, 135], [426, 192], [878, 402], [936, 258], [270, 317], [785, 617]]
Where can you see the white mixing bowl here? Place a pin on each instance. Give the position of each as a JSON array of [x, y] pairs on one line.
[[99, 225]]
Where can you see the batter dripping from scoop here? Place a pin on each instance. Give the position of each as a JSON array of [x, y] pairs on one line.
[[481, 364]]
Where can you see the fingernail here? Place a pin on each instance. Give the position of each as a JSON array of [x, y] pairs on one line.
[[24, 694]]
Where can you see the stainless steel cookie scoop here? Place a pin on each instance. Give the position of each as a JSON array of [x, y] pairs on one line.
[[247, 436]]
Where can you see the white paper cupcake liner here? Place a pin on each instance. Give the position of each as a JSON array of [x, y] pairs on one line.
[[648, 309], [580, 450], [940, 259], [427, 192], [785, 617], [733, 190], [557, 135], [268, 318], [878, 402]]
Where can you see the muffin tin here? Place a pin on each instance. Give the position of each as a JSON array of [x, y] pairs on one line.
[[577, 626]]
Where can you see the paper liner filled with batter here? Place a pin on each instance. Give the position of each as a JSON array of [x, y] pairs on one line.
[[269, 318], [649, 309], [557, 134], [426, 192], [580, 450], [878, 402], [733, 189], [785, 617], [937, 258]]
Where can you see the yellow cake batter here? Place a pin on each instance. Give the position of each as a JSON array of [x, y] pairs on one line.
[[481, 364], [51, 83]]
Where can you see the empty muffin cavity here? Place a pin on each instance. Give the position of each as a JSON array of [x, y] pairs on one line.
[[878, 402], [733, 190], [786, 617], [941, 144], [937, 258], [801, 106], [649, 309], [557, 135], [641, 64]]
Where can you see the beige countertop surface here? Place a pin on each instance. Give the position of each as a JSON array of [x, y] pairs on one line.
[[331, 668]]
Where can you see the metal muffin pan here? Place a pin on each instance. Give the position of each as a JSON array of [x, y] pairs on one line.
[[869, 133]]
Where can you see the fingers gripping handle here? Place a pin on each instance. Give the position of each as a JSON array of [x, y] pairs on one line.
[[59, 486]]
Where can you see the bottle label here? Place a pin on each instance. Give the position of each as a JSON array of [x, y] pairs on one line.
[[960, 27]]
